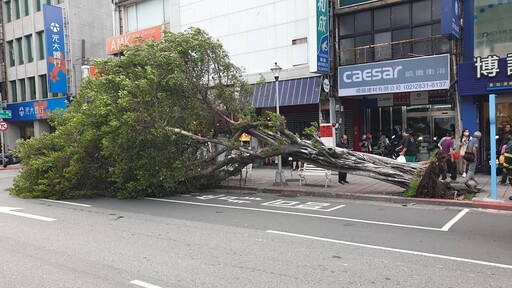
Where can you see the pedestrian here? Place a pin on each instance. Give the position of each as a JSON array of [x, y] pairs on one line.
[[473, 149], [343, 143], [448, 147], [463, 145], [407, 147], [363, 143], [504, 170]]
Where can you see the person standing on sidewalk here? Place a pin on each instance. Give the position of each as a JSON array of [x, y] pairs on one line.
[[448, 146], [463, 146], [408, 147], [473, 147], [343, 143], [508, 159]]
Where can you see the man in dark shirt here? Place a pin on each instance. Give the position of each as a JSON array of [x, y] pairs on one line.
[[448, 147], [343, 143], [408, 147]]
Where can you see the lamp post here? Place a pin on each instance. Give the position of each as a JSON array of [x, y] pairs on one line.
[[279, 180]]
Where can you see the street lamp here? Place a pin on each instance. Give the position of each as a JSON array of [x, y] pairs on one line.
[[279, 180]]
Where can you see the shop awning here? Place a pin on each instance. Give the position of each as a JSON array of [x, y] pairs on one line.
[[291, 92]]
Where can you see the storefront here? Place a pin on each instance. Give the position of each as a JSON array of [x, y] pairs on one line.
[[30, 119], [392, 95], [487, 75]]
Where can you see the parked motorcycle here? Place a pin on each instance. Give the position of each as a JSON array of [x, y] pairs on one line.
[[10, 159]]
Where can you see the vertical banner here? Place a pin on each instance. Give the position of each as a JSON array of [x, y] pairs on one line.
[[319, 25], [55, 49], [450, 22]]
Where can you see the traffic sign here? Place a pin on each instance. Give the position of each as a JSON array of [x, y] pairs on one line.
[[4, 126], [6, 114]]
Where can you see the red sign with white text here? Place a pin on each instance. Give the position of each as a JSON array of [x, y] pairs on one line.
[[114, 44]]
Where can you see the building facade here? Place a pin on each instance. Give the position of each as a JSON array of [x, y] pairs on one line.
[[29, 50], [397, 61], [256, 34]]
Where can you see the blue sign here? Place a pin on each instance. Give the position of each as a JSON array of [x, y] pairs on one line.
[[55, 49], [405, 75], [450, 23], [36, 110], [470, 85]]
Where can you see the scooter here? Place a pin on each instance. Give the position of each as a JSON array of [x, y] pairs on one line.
[[10, 159]]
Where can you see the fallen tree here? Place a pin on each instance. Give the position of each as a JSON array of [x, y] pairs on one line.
[[142, 127]]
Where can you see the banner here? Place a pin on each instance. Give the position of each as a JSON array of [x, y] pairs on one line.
[[319, 23], [36, 110], [114, 44], [450, 22], [397, 76], [55, 49]]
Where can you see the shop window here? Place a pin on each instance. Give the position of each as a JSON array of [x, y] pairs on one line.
[[382, 52], [14, 91], [44, 86], [401, 50], [382, 18], [347, 24], [422, 46], [421, 11], [23, 90], [40, 45], [10, 46], [400, 15], [436, 9], [19, 46], [30, 49], [363, 22]]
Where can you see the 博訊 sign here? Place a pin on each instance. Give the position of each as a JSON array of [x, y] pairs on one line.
[[55, 49], [319, 22], [405, 75]]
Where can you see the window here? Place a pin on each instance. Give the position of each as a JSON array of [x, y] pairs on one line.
[[39, 5], [10, 46], [347, 52], [422, 47], [32, 88], [421, 12], [8, 11], [44, 86], [401, 50], [400, 15], [149, 14], [347, 24], [132, 18], [27, 7], [17, 9], [14, 91], [363, 21], [23, 90], [383, 52], [19, 45], [30, 49], [436, 9], [382, 18], [59, 1], [40, 45]]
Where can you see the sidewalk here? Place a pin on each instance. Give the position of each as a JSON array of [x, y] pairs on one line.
[[362, 188]]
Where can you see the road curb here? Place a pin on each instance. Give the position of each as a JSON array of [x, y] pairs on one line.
[[493, 205], [352, 196]]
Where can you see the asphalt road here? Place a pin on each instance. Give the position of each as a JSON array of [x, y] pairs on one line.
[[239, 240]]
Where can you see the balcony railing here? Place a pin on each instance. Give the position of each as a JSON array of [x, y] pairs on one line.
[[395, 50]]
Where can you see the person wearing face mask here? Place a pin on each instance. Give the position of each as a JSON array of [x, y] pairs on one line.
[[463, 145]]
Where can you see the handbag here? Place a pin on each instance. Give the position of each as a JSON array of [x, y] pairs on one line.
[[469, 157], [462, 151]]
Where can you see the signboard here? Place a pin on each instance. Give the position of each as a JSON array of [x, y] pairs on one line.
[[348, 3], [405, 75], [55, 49], [36, 110], [327, 134], [5, 114], [419, 98], [4, 126], [114, 44], [486, 74], [320, 61], [450, 19], [385, 100]]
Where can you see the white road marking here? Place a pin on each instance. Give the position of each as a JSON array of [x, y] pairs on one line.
[[65, 202], [454, 220], [298, 213], [392, 249], [144, 284], [8, 210]]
